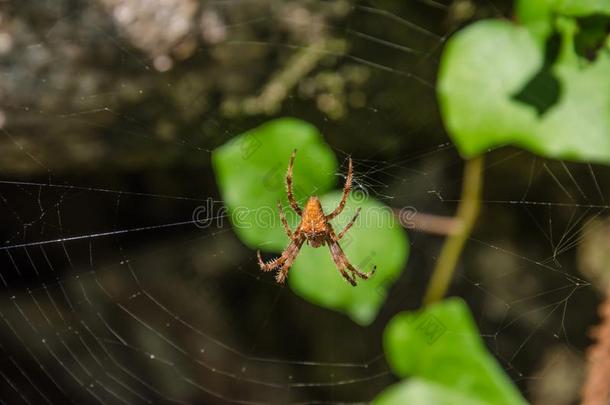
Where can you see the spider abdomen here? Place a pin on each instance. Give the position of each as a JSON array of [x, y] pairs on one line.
[[313, 223]]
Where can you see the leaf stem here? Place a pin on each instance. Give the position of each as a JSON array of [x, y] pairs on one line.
[[467, 213]]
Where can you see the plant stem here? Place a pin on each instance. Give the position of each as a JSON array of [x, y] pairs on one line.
[[468, 210]]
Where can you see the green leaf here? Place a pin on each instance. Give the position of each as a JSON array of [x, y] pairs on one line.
[[485, 67], [578, 127], [482, 67], [536, 16], [416, 391], [250, 171], [581, 7], [376, 238], [441, 344]]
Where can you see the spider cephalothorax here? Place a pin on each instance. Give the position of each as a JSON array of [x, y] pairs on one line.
[[316, 230]]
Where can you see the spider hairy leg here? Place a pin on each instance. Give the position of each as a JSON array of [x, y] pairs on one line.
[[270, 265], [342, 261], [291, 253], [346, 276], [346, 190], [291, 199], [283, 219], [337, 254], [349, 225], [285, 260], [360, 274]]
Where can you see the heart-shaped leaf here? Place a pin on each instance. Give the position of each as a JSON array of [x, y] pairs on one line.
[[485, 71], [376, 239], [578, 127], [251, 169], [441, 344], [482, 67]]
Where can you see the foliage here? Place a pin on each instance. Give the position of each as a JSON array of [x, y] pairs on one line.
[[504, 83], [440, 346], [250, 170]]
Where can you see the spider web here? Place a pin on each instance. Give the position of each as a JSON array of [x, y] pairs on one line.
[[111, 294]]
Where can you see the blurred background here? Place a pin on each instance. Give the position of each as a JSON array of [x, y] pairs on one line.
[[109, 111]]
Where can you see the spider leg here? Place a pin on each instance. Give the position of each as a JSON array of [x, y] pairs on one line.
[[346, 190], [287, 257], [284, 221], [349, 225], [270, 265], [360, 274], [291, 199], [338, 256], [291, 254]]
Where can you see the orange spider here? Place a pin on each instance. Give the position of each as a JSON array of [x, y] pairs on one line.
[[316, 229]]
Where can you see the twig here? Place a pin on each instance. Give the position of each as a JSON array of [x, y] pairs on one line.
[[427, 223], [467, 213]]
